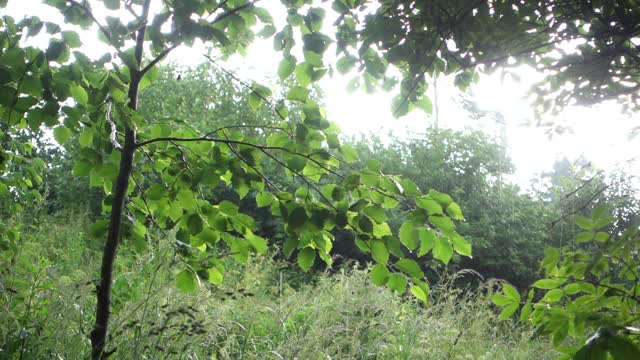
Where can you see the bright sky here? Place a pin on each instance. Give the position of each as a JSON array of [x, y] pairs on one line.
[[600, 134]]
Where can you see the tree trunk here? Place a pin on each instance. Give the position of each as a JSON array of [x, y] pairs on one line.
[[103, 307]]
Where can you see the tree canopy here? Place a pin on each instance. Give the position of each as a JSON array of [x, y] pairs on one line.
[[587, 50]]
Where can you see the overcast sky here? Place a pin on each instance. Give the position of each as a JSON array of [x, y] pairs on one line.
[[599, 134]]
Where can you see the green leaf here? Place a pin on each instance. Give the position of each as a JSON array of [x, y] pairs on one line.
[[379, 252], [306, 257], [584, 223], [186, 281], [410, 267], [297, 218], [298, 93], [511, 292], [215, 276], [267, 31], [427, 240], [397, 282], [424, 104], [349, 153], [572, 289], [304, 74], [186, 199], [501, 300], [377, 214], [394, 246], [443, 250], [315, 42], [71, 38], [427, 203], [603, 222], [443, 199], [99, 228], [297, 163], [85, 138], [254, 101], [286, 67], [195, 224], [79, 94], [460, 245], [61, 134], [156, 192], [365, 224], [57, 51], [346, 63], [584, 236], [374, 165], [82, 168], [379, 274], [552, 296], [290, 244], [455, 211], [264, 199], [333, 141], [419, 293], [552, 256], [442, 222], [338, 193], [508, 311], [209, 236], [228, 208], [408, 235], [258, 243], [526, 311], [548, 284]]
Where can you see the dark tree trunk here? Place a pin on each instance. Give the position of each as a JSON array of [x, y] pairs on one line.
[[99, 333]]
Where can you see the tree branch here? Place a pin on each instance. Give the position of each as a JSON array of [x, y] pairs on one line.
[[243, 83], [104, 30], [158, 58], [584, 206], [233, 11]]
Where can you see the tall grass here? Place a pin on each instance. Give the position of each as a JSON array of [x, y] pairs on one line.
[[265, 310]]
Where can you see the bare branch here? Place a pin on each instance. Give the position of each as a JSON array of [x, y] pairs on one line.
[[584, 206]]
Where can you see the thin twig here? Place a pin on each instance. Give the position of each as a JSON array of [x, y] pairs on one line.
[[584, 206], [104, 30]]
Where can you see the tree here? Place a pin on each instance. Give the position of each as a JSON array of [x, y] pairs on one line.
[[505, 227], [97, 102], [588, 50]]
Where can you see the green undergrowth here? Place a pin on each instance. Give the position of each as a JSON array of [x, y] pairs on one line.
[[267, 309]]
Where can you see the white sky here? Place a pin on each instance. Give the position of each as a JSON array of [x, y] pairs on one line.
[[600, 134]]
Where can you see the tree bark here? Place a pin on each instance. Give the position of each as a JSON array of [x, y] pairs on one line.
[[99, 333], [103, 306]]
